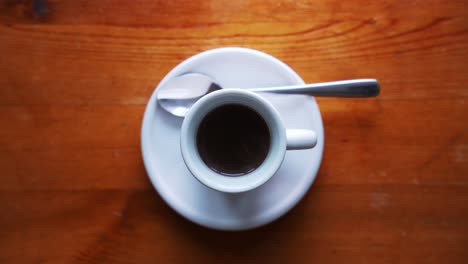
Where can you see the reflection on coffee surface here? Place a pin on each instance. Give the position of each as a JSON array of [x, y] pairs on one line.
[[233, 140]]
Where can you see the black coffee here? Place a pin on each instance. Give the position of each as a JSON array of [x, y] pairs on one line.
[[233, 140]]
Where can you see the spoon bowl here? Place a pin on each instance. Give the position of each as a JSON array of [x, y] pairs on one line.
[[180, 93]]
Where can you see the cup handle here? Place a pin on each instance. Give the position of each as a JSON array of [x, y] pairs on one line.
[[300, 139]]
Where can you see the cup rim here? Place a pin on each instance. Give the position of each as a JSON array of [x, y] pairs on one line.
[[218, 181]]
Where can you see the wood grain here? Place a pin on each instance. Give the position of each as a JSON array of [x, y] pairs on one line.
[[75, 77], [365, 223]]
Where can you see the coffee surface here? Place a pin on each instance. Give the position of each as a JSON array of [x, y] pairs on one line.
[[233, 140]]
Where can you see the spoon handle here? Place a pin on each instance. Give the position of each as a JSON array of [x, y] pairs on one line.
[[348, 88]]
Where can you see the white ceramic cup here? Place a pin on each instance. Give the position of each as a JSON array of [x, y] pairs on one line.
[[282, 139]]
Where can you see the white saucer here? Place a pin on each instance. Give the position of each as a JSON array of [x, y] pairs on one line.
[[240, 68]]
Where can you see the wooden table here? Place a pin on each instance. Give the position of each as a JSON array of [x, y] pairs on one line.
[[75, 77]]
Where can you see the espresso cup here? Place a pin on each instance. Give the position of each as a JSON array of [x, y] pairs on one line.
[[280, 139]]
